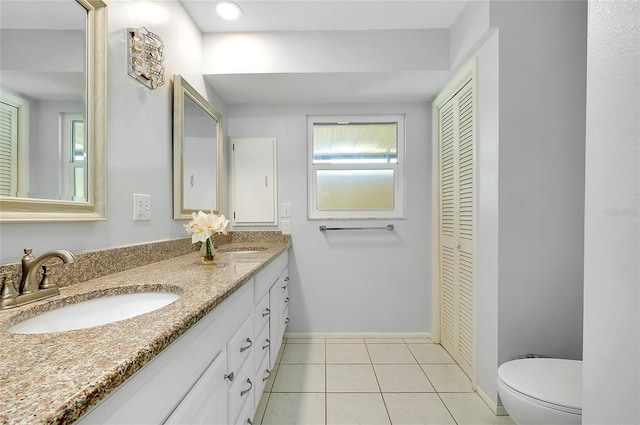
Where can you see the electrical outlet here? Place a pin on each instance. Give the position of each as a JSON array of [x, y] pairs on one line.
[[141, 207], [285, 226], [286, 210]]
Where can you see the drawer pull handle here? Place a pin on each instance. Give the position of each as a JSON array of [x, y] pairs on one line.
[[284, 287], [243, 349], [266, 378], [286, 300], [249, 421], [229, 376], [286, 279], [243, 392], [286, 320], [264, 347], [266, 312]]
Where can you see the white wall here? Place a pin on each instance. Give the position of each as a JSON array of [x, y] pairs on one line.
[[369, 281], [487, 217], [611, 374], [531, 67], [326, 51], [541, 176], [139, 140]]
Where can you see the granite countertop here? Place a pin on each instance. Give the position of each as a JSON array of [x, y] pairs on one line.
[[55, 377]]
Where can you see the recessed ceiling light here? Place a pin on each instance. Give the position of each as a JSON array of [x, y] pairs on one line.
[[228, 10]]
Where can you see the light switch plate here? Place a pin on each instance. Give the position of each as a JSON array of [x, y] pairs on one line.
[[141, 207], [286, 210]]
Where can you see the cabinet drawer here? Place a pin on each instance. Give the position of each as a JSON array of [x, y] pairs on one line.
[[261, 313], [262, 376], [285, 319], [246, 414], [265, 279], [262, 346], [240, 346], [241, 391]]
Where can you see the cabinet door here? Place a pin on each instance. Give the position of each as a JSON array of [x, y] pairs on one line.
[[253, 182], [206, 402]]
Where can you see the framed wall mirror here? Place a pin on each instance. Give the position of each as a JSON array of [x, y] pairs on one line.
[[197, 152], [53, 59]]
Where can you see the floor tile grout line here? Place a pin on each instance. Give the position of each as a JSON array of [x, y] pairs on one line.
[[326, 383], [386, 408]]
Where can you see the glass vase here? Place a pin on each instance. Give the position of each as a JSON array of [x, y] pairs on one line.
[[207, 252]]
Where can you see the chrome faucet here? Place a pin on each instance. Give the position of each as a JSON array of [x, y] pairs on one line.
[[30, 289]]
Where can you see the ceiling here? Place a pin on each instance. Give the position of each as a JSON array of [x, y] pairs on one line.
[[373, 85], [313, 15]]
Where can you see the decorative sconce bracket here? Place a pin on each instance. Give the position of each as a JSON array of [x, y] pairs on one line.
[[145, 57]]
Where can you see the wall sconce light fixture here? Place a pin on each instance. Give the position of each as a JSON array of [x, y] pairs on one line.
[[145, 57]]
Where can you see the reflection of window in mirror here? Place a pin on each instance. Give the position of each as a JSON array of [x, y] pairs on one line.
[[73, 178]]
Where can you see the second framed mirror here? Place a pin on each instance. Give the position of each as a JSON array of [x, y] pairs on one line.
[[197, 152]]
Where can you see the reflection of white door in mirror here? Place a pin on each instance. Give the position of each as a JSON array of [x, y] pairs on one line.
[[199, 158]]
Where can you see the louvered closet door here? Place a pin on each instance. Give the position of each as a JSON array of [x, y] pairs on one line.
[[8, 149], [456, 137]]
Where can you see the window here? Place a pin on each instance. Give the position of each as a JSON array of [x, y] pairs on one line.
[[74, 179], [356, 167]]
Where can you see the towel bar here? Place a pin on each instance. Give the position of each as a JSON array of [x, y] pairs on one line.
[[388, 227]]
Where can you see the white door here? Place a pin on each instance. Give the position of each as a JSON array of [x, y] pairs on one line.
[[253, 177], [456, 143]]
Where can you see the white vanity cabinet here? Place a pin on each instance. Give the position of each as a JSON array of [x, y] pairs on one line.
[[189, 381], [270, 306], [216, 372]]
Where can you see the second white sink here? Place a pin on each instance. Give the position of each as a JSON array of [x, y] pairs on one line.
[[95, 312]]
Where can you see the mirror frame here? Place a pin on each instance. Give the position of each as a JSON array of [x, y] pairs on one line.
[[181, 89], [48, 210]]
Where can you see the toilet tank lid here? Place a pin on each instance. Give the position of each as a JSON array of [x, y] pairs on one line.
[[555, 381]]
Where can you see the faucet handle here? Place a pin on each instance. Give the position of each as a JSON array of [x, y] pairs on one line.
[[46, 282], [9, 295]]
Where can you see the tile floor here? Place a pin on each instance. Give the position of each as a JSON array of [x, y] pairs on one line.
[[370, 381]]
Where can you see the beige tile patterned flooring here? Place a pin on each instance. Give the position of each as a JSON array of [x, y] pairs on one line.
[[395, 381]]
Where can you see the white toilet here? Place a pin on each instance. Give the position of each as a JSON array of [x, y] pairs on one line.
[[542, 391]]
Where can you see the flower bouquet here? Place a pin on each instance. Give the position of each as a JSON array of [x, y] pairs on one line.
[[202, 228]]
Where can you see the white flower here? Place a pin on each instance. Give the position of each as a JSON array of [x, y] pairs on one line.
[[202, 226]]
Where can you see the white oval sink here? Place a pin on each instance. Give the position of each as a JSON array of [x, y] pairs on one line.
[[94, 312]]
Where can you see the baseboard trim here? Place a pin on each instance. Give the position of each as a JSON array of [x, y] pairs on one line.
[[499, 410], [357, 335]]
